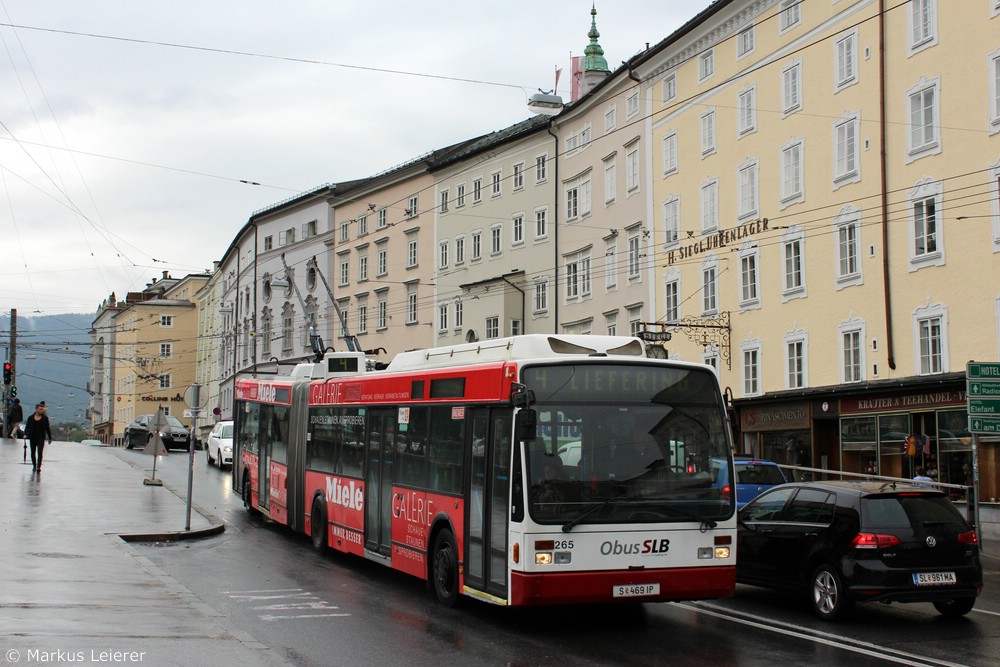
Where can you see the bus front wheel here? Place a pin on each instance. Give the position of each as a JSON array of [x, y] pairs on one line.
[[445, 568]]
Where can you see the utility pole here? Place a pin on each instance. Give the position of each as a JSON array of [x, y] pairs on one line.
[[13, 371]]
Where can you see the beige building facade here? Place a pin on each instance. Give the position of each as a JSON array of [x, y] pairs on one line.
[[824, 182]]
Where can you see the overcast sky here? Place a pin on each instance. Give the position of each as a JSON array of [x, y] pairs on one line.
[[126, 127]]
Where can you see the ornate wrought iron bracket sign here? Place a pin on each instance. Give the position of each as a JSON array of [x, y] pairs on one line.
[[706, 331]]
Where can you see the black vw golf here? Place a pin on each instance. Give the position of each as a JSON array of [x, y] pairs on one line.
[[848, 542]]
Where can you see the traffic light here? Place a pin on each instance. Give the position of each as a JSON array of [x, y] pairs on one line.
[[13, 391], [8, 372]]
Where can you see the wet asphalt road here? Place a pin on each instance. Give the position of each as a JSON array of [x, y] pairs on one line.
[[257, 594]]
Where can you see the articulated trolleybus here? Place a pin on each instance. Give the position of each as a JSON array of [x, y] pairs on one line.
[[539, 469]]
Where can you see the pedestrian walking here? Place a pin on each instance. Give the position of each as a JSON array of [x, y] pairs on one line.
[[37, 430], [14, 417]]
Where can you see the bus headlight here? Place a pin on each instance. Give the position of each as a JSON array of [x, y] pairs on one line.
[[722, 552], [543, 558]]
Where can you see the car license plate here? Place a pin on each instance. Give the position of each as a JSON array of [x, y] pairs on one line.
[[634, 590], [933, 578]]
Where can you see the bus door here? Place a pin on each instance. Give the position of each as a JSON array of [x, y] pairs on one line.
[[381, 443], [266, 441], [488, 503]]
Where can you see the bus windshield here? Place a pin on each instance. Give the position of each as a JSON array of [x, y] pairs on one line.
[[625, 443]]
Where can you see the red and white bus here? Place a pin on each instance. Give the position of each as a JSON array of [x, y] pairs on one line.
[[539, 469]]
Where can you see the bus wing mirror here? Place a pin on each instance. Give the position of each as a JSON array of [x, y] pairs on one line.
[[526, 424], [521, 396]]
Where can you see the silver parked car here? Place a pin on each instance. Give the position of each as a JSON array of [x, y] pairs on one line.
[[219, 449]]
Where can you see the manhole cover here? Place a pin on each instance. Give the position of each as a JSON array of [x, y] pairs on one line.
[[55, 554]]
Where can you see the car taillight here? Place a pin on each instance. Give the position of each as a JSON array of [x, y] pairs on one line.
[[874, 541], [726, 492], [969, 538]]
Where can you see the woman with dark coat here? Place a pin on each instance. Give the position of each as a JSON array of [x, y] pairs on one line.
[[36, 430]]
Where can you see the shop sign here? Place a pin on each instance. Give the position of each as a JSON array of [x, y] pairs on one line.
[[889, 403], [783, 417]]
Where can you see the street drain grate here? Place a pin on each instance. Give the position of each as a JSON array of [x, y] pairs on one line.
[[55, 554]]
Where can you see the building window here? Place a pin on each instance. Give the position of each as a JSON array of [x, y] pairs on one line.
[[383, 260], [670, 153], [496, 178], [791, 88], [794, 279], [577, 275], [634, 255], [477, 190], [411, 304], [166, 321], [265, 332], [922, 23], [790, 14], [672, 220], [541, 296], [851, 343], [443, 255], [164, 381], [994, 77], [382, 314], [706, 65], [517, 229], [751, 371], [609, 119], [286, 237], [668, 88], [610, 180], [792, 173], [923, 137], [460, 250], [287, 329], [459, 314], [362, 225], [363, 266], [710, 206], [541, 223], [925, 225], [496, 240], [492, 327], [518, 178], [444, 201], [795, 364], [460, 195], [411, 251], [632, 174], [309, 229], [611, 324], [744, 42], [749, 276], [345, 266], [747, 111], [578, 197], [166, 350], [477, 245], [632, 104], [443, 317], [708, 132], [709, 288], [634, 320], [611, 262], [345, 228], [540, 168], [747, 178], [930, 345], [672, 300], [382, 219], [362, 316], [268, 243], [846, 61], [847, 249], [845, 160]]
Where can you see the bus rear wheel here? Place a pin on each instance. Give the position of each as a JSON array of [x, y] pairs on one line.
[[318, 527], [444, 572]]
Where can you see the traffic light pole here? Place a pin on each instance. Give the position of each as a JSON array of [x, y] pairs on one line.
[[10, 382]]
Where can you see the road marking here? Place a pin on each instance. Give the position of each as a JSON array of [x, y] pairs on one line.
[[818, 636], [986, 611], [286, 599]]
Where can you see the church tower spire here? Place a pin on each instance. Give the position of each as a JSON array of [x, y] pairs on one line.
[[595, 67]]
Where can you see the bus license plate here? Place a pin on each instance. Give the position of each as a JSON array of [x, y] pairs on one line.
[[635, 590], [933, 578]]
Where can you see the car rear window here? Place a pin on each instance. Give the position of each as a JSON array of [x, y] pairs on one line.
[[751, 473], [909, 511]]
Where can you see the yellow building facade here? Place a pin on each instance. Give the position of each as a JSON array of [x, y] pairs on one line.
[[827, 223]]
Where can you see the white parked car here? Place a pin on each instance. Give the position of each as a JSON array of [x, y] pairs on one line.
[[219, 448]]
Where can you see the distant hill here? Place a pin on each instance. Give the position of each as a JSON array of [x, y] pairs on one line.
[[53, 363]]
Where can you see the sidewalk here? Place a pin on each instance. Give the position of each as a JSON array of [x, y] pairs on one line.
[[71, 583]]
